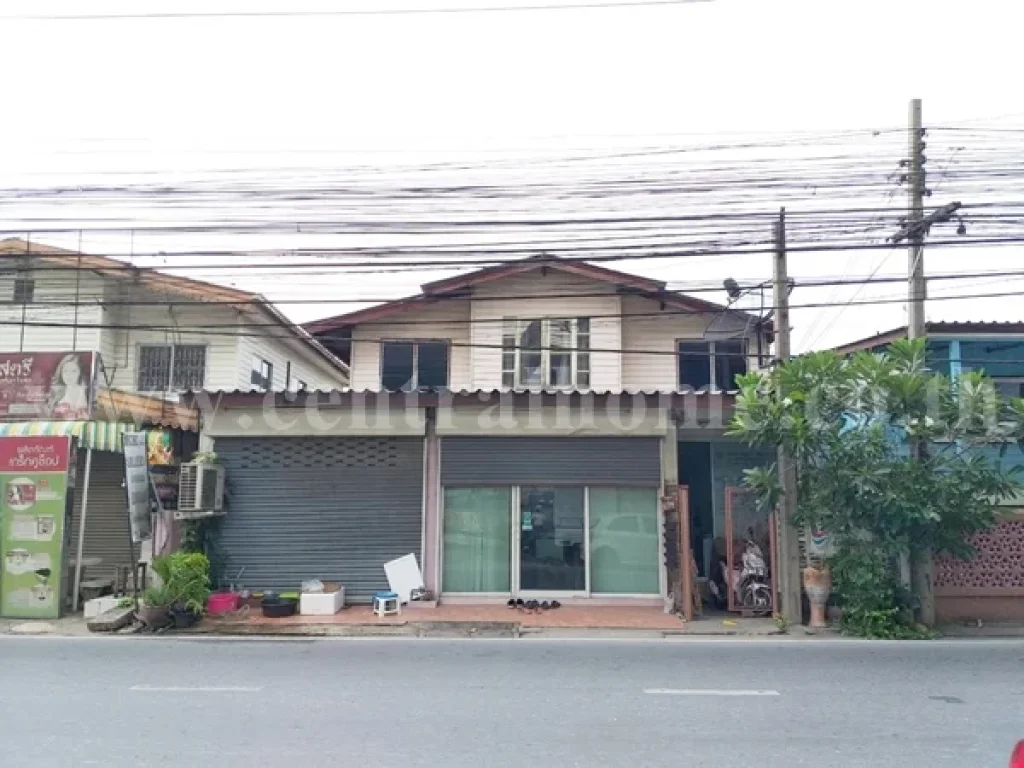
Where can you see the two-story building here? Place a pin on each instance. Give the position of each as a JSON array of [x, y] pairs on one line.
[[989, 586], [137, 339], [519, 428]]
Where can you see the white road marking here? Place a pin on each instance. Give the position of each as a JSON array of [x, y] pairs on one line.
[[196, 689], [706, 692]]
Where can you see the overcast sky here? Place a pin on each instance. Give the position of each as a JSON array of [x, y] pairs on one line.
[[185, 94]]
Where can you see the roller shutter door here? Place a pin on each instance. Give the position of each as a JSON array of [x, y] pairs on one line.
[[335, 509], [524, 460]]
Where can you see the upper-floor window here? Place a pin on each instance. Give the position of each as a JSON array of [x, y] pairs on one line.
[[262, 374], [711, 365], [171, 367], [550, 352], [1009, 386], [410, 365], [23, 289]]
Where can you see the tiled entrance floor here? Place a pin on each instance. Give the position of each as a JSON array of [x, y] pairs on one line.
[[564, 617]]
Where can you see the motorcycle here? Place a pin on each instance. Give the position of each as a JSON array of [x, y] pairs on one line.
[[753, 590]]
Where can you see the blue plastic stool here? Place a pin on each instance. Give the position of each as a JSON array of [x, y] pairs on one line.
[[386, 603]]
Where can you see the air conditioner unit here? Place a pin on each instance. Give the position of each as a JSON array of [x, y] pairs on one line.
[[200, 491]]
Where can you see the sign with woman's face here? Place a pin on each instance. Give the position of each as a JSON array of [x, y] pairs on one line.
[[47, 385]]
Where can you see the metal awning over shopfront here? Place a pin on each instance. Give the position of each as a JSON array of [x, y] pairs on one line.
[[98, 435]]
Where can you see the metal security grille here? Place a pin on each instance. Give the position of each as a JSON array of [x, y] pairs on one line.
[[334, 509], [164, 367], [188, 370], [154, 369], [558, 460]]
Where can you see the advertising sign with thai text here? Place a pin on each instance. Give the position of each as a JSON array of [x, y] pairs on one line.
[[55, 386], [136, 485], [33, 519]]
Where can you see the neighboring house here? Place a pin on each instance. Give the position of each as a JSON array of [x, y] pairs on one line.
[[519, 428], [990, 586], [157, 336]]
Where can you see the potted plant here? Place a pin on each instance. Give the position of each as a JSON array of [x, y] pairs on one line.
[[156, 604], [189, 583], [182, 592]]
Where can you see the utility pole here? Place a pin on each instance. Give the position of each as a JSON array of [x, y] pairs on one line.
[[914, 231], [915, 237], [789, 538]]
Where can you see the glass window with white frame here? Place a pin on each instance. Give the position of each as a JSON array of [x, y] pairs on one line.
[[547, 352], [262, 374], [711, 365], [171, 367]]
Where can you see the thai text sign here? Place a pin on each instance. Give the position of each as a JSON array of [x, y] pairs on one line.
[[33, 512], [136, 485], [57, 386]]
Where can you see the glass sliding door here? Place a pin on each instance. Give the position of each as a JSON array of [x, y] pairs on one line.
[[477, 534], [552, 540], [624, 547]]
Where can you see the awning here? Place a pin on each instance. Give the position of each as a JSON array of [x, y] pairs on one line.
[[100, 435]]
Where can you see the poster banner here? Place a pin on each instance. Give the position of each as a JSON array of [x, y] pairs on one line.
[[55, 386], [33, 513], [136, 485], [164, 460]]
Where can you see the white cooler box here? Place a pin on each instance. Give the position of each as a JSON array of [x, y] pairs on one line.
[[322, 603]]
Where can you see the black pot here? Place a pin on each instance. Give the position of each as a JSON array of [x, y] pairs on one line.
[[183, 619], [280, 607]]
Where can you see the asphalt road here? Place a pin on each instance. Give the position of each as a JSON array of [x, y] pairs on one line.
[[488, 703]]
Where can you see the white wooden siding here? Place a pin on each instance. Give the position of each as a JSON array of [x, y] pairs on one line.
[[657, 330], [600, 303], [274, 346], [51, 328], [232, 338], [146, 322], [449, 320]]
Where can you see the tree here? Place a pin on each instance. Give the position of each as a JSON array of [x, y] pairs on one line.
[[851, 425]]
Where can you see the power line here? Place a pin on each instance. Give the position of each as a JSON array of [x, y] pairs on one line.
[[233, 329], [352, 12], [592, 257], [87, 299]]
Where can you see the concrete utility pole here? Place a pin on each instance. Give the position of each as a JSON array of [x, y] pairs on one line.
[[915, 183], [789, 538], [914, 232]]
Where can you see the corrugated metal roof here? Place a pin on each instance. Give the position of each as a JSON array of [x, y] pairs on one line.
[[935, 327], [459, 393]]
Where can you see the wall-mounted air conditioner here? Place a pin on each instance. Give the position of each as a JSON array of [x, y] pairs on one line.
[[200, 491]]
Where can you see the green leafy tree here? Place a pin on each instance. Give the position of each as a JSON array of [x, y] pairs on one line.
[[853, 426]]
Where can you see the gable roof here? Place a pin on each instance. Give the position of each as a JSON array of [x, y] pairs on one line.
[[460, 285], [14, 248]]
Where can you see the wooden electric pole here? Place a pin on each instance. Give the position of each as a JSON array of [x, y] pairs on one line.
[[789, 538]]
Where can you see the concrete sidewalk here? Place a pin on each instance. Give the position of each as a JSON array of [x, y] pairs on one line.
[[443, 621]]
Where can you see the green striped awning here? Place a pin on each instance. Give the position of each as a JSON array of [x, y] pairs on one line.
[[100, 435]]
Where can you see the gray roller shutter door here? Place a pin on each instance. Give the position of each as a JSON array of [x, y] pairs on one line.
[[334, 509], [106, 522], [562, 460]]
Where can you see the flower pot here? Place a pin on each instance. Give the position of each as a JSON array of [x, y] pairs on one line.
[[817, 585], [183, 618], [154, 616]]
